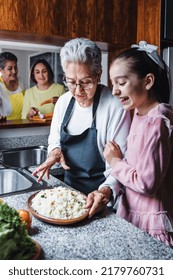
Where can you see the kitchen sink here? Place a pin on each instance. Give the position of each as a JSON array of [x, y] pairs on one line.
[[17, 165], [24, 157], [12, 181]]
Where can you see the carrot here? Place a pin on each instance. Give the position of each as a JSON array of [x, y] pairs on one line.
[[48, 115], [37, 119], [46, 102]]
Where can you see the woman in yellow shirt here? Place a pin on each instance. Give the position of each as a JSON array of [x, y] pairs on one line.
[[11, 92], [45, 89]]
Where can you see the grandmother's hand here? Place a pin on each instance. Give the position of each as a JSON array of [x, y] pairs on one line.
[[97, 200], [56, 156], [112, 153]]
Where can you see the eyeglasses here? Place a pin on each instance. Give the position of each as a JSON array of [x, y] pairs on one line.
[[73, 85]]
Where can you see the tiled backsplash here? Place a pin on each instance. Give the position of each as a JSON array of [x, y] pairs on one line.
[[23, 141]]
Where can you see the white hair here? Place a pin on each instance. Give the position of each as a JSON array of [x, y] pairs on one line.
[[81, 50]]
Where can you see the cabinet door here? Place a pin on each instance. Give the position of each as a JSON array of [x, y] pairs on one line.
[[13, 15], [46, 17], [116, 21], [149, 21], [111, 21], [81, 18]]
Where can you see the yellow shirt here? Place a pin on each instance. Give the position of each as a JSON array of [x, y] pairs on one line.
[[17, 105], [15, 99], [34, 96]]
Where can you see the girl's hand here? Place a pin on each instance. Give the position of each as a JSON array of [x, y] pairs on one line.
[[112, 153]]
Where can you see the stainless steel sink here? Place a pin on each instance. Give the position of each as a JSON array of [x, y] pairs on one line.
[[16, 167], [24, 157], [12, 181]]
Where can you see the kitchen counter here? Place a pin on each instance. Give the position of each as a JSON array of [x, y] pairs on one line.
[[102, 237], [23, 123]]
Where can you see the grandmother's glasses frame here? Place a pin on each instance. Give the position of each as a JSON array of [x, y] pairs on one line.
[[73, 85]]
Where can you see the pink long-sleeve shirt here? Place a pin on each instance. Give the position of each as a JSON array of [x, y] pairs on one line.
[[147, 174]]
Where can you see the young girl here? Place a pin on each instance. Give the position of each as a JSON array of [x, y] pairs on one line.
[[140, 81]]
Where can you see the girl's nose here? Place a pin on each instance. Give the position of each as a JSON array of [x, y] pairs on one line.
[[116, 92]]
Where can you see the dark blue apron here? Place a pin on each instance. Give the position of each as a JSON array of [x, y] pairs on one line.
[[82, 154]]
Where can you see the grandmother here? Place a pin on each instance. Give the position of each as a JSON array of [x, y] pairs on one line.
[[85, 118]]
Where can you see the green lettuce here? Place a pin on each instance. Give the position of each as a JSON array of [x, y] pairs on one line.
[[15, 243]]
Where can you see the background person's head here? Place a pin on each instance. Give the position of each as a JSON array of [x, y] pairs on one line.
[[8, 66], [140, 63], [41, 72]]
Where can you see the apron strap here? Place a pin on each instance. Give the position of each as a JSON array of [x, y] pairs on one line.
[[95, 105], [68, 111]]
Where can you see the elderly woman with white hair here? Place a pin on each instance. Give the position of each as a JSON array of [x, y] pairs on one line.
[[85, 118]]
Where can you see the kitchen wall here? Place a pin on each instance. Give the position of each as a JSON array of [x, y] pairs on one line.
[[111, 21], [25, 137], [24, 55], [22, 64], [113, 24], [116, 23]]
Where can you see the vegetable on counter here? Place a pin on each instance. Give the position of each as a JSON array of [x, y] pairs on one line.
[[25, 217], [15, 243], [44, 117], [48, 115], [46, 101]]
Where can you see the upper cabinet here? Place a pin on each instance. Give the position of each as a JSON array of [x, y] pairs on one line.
[[154, 22], [116, 22], [110, 21], [149, 21], [42, 17]]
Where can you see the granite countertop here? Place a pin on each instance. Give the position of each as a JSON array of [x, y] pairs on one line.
[[102, 237]]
